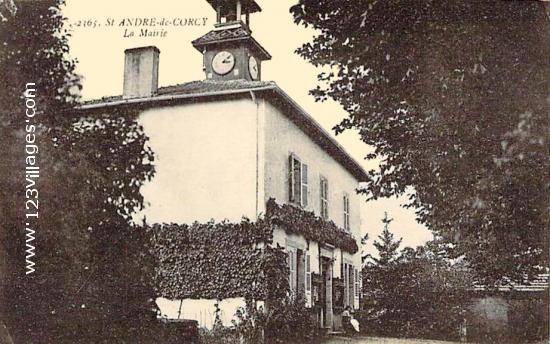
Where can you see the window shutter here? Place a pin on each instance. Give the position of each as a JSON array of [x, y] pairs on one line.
[[357, 290], [360, 287], [324, 198], [290, 179], [294, 180], [346, 289], [345, 214], [292, 267], [297, 175], [348, 212], [308, 281], [291, 192], [294, 271], [289, 262], [351, 285], [321, 199], [304, 185]]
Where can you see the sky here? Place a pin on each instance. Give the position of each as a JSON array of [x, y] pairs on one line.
[[99, 51]]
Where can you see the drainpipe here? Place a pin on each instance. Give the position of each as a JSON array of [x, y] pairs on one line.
[[255, 100]]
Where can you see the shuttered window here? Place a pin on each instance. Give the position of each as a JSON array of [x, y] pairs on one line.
[[297, 181], [357, 288], [304, 185], [351, 280], [308, 280], [324, 198], [346, 213], [357, 283], [348, 278], [292, 264], [346, 283]]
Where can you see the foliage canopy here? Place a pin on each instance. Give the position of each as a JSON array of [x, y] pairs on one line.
[[91, 269], [416, 293], [454, 99]]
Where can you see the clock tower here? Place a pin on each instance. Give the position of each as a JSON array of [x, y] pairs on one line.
[[229, 50]]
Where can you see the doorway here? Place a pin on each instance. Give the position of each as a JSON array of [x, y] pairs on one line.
[[326, 293]]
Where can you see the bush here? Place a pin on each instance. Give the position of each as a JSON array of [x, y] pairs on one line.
[[288, 321], [218, 335]]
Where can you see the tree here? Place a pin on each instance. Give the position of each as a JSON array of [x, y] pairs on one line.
[[438, 292], [90, 268], [387, 247], [30, 53], [380, 275], [417, 293], [453, 98]]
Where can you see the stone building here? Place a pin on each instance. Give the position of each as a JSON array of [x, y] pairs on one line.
[[227, 144]]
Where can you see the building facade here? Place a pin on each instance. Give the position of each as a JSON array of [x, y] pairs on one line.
[[227, 144]]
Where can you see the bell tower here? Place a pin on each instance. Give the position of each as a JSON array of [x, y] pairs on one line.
[[229, 50]]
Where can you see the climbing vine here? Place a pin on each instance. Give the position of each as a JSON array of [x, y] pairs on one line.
[[222, 260], [211, 260], [311, 226]]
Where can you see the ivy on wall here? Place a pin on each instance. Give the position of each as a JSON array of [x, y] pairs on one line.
[[223, 260], [212, 260], [311, 226]]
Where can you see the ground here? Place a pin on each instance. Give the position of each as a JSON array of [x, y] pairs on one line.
[[377, 340]]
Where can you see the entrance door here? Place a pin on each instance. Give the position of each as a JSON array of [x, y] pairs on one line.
[[326, 271]]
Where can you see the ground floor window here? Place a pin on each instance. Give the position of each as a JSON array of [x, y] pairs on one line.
[[293, 265], [308, 280], [299, 262], [352, 288]]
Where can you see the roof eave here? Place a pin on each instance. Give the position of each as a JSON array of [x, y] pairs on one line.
[[169, 97], [253, 5], [350, 163]]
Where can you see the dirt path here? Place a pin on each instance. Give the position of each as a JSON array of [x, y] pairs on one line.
[[377, 340]]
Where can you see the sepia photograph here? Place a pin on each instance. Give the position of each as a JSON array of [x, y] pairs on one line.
[[274, 171]]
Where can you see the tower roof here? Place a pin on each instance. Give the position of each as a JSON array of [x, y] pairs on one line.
[[239, 34], [249, 6]]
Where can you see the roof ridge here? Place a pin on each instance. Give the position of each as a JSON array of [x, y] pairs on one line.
[[175, 87], [213, 81]]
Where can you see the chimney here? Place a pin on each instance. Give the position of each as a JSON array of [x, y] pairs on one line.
[[141, 72]]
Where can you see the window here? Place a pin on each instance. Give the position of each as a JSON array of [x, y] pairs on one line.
[[357, 283], [292, 263], [352, 286], [304, 185], [324, 198], [308, 280], [360, 273], [346, 213], [347, 274], [298, 185]]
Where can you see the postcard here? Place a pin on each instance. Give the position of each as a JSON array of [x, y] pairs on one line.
[[291, 171]]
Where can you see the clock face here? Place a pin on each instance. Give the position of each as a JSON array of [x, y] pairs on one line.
[[223, 62], [253, 67]]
